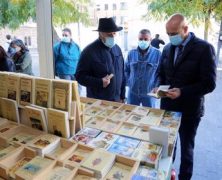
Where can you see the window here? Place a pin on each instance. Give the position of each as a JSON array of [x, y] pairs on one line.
[[123, 6], [114, 6], [106, 7], [97, 7], [27, 41]]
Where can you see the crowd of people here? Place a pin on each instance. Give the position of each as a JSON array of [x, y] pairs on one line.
[[186, 64]]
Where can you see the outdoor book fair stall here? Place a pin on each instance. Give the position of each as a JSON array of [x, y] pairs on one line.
[[48, 132]]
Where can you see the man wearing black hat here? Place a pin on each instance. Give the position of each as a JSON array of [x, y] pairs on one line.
[[101, 65]]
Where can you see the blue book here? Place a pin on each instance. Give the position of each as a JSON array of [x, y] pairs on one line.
[[121, 150], [127, 141]]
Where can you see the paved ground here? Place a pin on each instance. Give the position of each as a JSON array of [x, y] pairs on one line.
[[208, 152]]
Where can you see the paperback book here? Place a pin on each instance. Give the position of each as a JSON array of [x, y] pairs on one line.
[[26, 90], [3, 82], [13, 87], [127, 141], [121, 150], [59, 173]]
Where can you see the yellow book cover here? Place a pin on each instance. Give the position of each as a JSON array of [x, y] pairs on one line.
[[58, 123], [3, 82], [13, 86], [26, 90], [61, 94], [43, 92], [36, 118]]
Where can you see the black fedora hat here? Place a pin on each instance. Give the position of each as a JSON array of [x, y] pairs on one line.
[[108, 25]]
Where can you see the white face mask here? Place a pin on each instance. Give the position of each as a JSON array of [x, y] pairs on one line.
[[66, 39], [143, 44]]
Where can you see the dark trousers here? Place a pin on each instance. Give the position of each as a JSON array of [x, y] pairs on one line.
[[187, 133]]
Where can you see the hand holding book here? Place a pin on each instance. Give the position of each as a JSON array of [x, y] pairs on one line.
[[160, 92]]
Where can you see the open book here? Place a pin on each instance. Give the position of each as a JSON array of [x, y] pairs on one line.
[[161, 91]]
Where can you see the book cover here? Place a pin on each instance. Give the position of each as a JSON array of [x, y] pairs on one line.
[[126, 129], [127, 141], [3, 82], [120, 115], [141, 110], [119, 171], [93, 111], [121, 150], [19, 164], [147, 172], [36, 118], [21, 137], [7, 127], [142, 132], [13, 86], [79, 155], [106, 112], [91, 132], [83, 177], [150, 147], [161, 91], [135, 118], [82, 138], [26, 90], [33, 167], [58, 123], [110, 126], [4, 151], [95, 122], [61, 94], [153, 118], [9, 109], [100, 162], [43, 92], [59, 173]]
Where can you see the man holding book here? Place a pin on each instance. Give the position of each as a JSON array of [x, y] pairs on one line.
[[101, 65], [188, 66]]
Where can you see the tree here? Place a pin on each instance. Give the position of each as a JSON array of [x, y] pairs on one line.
[[13, 13], [198, 11]]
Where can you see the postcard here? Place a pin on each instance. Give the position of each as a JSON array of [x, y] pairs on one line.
[[122, 150], [127, 141]]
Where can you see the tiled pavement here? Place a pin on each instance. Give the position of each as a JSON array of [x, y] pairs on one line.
[[208, 147]]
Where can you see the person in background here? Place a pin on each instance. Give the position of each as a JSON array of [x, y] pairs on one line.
[[66, 56], [21, 57], [188, 66], [101, 65], [7, 43], [6, 64], [157, 41], [140, 71]]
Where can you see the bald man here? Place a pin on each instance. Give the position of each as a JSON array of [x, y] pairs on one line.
[[188, 66]]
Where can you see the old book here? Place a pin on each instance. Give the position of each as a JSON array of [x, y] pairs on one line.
[[34, 168], [110, 125], [120, 115], [121, 149], [9, 109], [13, 87], [93, 111], [82, 138], [21, 137], [26, 90], [151, 147], [127, 141], [161, 91], [58, 123], [153, 118], [42, 95], [142, 132], [3, 82], [59, 173], [103, 140], [63, 149], [141, 110], [87, 101], [95, 122], [145, 172], [146, 157], [126, 129], [7, 126], [119, 171], [91, 132], [84, 174], [79, 155], [100, 162], [36, 118], [61, 94], [7, 150], [135, 118], [44, 143]]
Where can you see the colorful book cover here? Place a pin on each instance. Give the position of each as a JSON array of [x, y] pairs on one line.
[[147, 172], [121, 150], [82, 138], [127, 141], [79, 155], [91, 132], [119, 172]]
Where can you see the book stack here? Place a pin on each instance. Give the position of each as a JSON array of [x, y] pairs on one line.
[[100, 162], [44, 144]]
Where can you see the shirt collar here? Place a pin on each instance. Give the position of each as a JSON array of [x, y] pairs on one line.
[[186, 40]]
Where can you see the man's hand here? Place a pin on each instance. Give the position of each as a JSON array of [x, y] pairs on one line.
[[173, 93], [154, 90], [106, 81]]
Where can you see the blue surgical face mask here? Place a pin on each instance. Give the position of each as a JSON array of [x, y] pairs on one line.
[[66, 39], [176, 39], [109, 42], [143, 44]]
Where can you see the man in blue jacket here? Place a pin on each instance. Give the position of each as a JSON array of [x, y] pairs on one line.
[[140, 70], [101, 65], [188, 66], [66, 55]]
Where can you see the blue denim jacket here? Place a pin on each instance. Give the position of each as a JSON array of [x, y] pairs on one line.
[[141, 70]]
